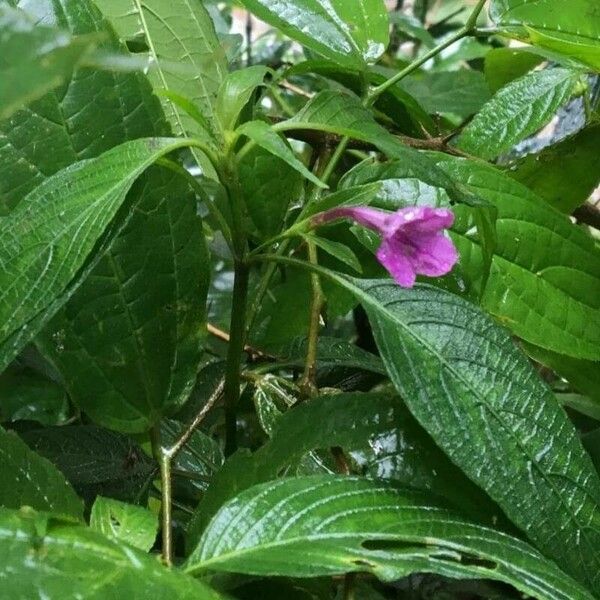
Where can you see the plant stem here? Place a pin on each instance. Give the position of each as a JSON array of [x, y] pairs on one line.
[[308, 384], [237, 335], [164, 462], [468, 28], [263, 286], [184, 438]]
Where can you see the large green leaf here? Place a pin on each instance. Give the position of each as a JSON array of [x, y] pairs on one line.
[[518, 110], [46, 240], [34, 58], [571, 28], [30, 480], [447, 359], [501, 425], [564, 174], [93, 112], [147, 297], [351, 421], [95, 461], [544, 283], [461, 92], [135, 525], [109, 317], [187, 57], [327, 525], [45, 558], [350, 34]]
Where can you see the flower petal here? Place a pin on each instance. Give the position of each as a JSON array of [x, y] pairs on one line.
[[420, 219], [369, 217], [436, 255], [398, 265]]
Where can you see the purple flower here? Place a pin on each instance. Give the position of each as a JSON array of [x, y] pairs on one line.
[[413, 242]]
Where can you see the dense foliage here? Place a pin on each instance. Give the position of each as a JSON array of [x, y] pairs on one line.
[[219, 378]]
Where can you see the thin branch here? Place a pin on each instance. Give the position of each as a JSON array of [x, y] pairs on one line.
[[184, 438], [461, 33], [254, 353], [164, 463]]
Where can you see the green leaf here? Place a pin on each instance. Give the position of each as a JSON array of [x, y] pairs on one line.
[[327, 525], [179, 35], [270, 186], [461, 92], [584, 375], [95, 461], [350, 421], [412, 27], [550, 298], [350, 35], [442, 354], [571, 28], [150, 304], [503, 65], [34, 58], [396, 103], [564, 174], [28, 396], [517, 111], [266, 137], [158, 266], [582, 404], [47, 558], [342, 114], [337, 250], [331, 353], [135, 525], [235, 92], [80, 121], [272, 396], [30, 480], [46, 240]]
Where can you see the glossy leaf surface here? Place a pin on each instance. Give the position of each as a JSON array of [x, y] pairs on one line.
[[134, 525], [518, 110], [549, 298], [46, 240], [448, 361], [184, 48], [349, 34], [30, 480], [54, 560], [571, 28], [328, 525]]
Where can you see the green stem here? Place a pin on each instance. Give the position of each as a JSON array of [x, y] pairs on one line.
[[468, 29], [263, 286], [164, 462], [308, 382], [185, 436], [237, 335]]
